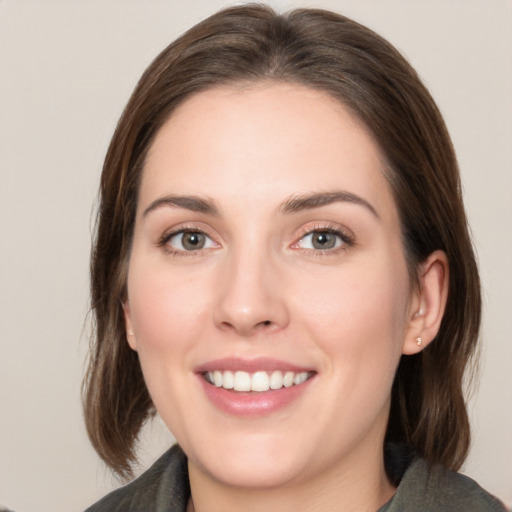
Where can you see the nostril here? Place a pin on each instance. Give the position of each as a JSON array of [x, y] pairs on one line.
[[266, 322]]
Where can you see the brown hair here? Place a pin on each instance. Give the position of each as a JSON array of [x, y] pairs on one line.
[[329, 52]]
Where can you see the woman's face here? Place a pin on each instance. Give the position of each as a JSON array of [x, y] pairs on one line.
[[267, 250]]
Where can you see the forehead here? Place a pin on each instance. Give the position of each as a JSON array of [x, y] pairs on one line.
[[263, 141]]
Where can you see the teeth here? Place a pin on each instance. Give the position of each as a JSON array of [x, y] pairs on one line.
[[299, 378], [242, 381], [276, 380], [288, 379], [228, 380], [217, 379], [259, 381]]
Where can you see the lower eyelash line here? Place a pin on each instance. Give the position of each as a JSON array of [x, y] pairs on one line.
[[168, 235], [348, 241]]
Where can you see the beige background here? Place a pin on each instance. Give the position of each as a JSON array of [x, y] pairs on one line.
[[66, 70]]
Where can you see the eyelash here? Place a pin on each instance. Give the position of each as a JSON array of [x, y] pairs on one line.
[[163, 242], [347, 240]]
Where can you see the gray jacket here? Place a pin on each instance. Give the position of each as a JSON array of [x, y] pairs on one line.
[[165, 488]]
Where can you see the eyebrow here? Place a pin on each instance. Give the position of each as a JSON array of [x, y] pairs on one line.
[[306, 202], [192, 203], [294, 204]]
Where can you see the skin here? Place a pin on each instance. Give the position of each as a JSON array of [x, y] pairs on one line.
[[260, 288]]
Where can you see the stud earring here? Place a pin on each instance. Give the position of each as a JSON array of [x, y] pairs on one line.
[[418, 341]]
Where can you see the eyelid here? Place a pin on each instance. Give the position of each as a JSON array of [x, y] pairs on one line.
[[346, 236], [163, 241]]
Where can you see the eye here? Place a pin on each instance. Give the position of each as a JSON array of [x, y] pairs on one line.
[[323, 240], [189, 240]]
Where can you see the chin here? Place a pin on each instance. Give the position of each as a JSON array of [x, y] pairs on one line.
[[252, 462], [254, 473]]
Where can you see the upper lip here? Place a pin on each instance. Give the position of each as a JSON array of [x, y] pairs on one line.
[[250, 365]]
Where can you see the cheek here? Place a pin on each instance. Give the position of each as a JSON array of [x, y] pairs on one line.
[[165, 315], [164, 309], [358, 315]]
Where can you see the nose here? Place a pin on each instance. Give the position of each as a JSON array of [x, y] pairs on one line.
[[251, 298]]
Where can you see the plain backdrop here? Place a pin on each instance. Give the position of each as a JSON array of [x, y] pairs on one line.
[[66, 70]]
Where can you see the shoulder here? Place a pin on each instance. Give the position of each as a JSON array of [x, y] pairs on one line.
[[162, 488], [424, 488]]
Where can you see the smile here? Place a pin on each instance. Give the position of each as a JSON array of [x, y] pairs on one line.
[[260, 381]]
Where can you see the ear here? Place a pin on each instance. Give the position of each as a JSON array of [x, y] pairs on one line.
[[128, 324], [428, 303]]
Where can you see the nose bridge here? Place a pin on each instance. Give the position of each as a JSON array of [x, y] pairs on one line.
[[250, 299]]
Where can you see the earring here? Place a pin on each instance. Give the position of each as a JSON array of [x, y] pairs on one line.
[[418, 341]]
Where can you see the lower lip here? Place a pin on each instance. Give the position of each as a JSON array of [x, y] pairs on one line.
[[253, 403]]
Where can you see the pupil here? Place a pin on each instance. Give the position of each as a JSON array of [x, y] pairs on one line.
[[324, 241], [193, 241]]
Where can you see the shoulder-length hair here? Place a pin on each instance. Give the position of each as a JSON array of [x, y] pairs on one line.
[[331, 53]]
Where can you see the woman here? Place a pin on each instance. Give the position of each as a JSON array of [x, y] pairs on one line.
[[274, 275]]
